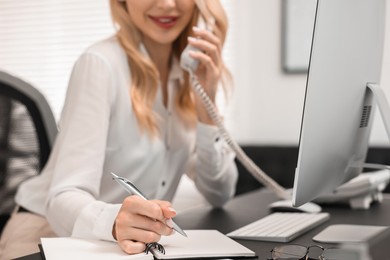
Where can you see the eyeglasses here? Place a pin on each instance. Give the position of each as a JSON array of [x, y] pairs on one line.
[[298, 252]]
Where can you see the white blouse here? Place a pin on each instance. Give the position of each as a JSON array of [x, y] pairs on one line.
[[99, 134]]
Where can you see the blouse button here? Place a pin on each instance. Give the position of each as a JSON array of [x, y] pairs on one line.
[[163, 183]]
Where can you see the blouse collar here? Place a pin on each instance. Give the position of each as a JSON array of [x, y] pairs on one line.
[[176, 72]]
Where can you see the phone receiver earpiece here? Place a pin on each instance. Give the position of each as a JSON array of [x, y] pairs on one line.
[[187, 62]]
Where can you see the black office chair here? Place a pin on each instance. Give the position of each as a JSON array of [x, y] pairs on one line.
[[27, 133]]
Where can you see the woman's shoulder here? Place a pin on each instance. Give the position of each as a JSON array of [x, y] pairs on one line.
[[108, 44], [108, 49]]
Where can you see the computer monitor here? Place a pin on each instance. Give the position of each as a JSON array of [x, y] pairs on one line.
[[346, 55]]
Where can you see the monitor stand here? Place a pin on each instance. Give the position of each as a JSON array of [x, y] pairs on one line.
[[366, 188], [349, 233], [361, 191]]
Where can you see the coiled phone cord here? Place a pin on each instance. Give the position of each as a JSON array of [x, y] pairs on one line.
[[256, 172]]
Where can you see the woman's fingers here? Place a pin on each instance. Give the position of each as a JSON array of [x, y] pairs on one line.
[[137, 205], [208, 43], [140, 221], [132, 247], [207, 49], [140, 235], [145, 215], [205, 59], [209, 57], [167, 209], [208, 36]]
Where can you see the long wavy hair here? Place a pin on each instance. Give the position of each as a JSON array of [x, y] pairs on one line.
[[144, 74]]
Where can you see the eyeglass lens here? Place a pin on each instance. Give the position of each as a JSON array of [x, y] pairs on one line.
[[337, 253], [298, 252], [289, 252], [315, 252]]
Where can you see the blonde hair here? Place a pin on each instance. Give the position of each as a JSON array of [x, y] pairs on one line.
[[144, 74]]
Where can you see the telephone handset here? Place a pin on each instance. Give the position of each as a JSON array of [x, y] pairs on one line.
[[186, 61], [189, 64]]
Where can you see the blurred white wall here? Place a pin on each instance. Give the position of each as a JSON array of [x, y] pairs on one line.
[[267, 103], [266, 106]]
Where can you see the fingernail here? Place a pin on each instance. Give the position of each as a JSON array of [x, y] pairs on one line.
[[191, 39], [191, 53], [169, 222], [172, 209], [196, 29]]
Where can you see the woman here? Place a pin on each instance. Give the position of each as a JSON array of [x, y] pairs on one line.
[[130, 110]]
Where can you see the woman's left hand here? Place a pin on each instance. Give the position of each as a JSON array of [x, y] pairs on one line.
[[210, 65]]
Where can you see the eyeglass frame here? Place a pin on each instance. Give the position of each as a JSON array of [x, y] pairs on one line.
[[304, 257]]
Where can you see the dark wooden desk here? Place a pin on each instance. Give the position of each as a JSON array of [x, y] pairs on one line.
[[251, 206]]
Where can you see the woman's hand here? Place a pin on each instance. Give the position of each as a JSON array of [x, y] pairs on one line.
[[142, 221], [210, 66]]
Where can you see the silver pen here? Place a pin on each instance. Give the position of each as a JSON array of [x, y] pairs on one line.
[[130, 188]]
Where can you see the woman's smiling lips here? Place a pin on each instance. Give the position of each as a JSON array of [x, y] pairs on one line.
[[165, 22]]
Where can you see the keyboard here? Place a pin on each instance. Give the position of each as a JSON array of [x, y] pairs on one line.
[[280, 226]]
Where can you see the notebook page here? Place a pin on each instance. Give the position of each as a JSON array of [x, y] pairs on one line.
[[68, 248], [200, 244]]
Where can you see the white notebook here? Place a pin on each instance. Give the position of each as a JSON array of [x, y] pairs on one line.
[[199, 244]]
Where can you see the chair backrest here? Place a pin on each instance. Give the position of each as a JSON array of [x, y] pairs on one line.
[[27, 133], [36, 104]]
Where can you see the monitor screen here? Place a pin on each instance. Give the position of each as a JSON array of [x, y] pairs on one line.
[[346, 54]]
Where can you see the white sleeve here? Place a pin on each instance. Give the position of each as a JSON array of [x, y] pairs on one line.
[[216, 172], [79, 152]]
